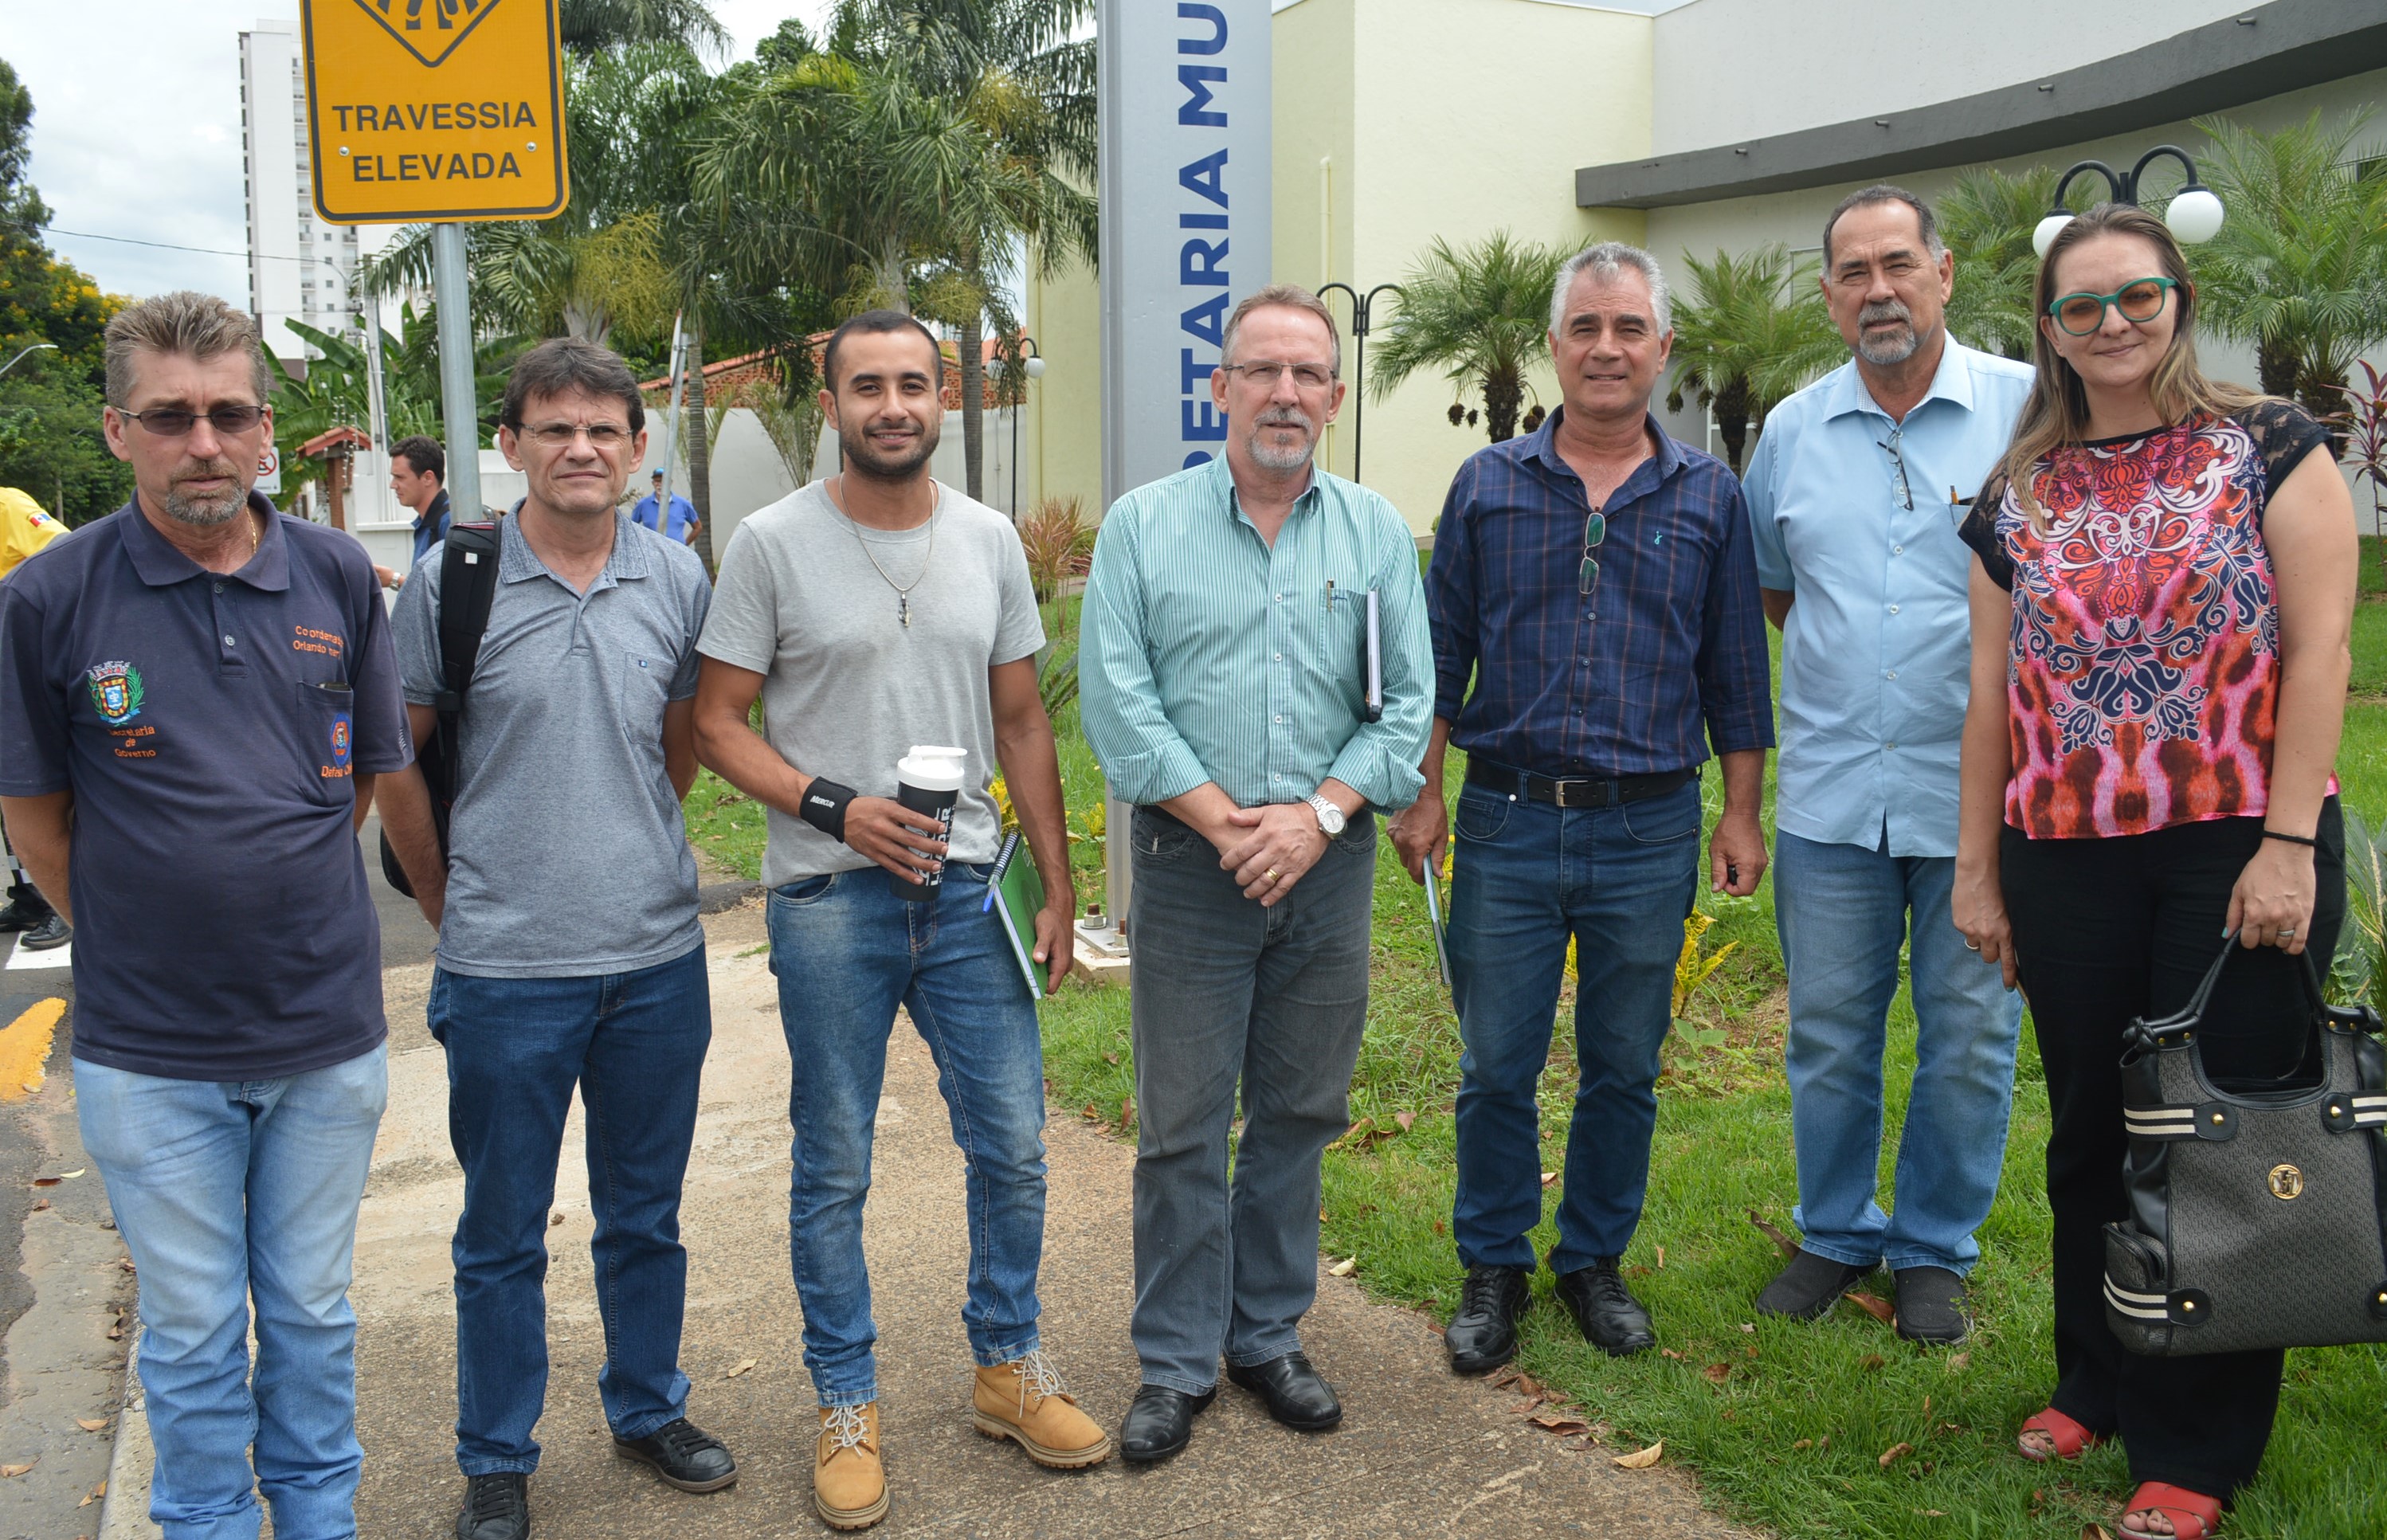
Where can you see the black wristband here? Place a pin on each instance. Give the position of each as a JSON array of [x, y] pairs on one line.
[[2292, 838], [824, 806]]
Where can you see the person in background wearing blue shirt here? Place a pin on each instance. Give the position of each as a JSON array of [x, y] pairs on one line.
[[185, 785], [1854, 498], [1594, 579], [1222, 669], [418, 468], [684, 521]]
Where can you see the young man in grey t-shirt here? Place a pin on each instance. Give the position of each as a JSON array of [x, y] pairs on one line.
[[570, 951], [873, 611]]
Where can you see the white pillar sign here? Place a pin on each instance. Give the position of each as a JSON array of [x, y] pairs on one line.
[[1185, 197]]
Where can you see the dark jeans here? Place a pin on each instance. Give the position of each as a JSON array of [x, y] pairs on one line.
[[634, 1043], [1528, 877], [2109, 929], [1225, 990]]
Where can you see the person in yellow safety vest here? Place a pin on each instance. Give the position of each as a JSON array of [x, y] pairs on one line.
[[26, 527]]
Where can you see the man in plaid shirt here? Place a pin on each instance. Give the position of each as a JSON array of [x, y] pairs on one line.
[[1595, 581]]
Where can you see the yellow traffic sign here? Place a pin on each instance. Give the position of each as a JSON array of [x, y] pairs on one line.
[[435, 109]]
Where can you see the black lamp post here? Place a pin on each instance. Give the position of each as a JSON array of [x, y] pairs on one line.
[[1031, 368], [1361, 307], [2195, 215]]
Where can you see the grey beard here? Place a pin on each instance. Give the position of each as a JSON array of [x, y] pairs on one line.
[[1896, 351], [204, 512], [1269, 457]]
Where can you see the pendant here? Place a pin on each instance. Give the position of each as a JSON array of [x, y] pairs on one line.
[[904, 610]]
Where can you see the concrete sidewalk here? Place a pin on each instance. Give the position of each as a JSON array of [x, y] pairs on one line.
[[1418, 1454]]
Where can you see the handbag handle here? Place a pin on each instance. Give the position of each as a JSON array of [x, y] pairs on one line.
[[2193, 1013]]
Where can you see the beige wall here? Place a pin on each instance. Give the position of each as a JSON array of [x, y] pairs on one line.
[[1395, 122]]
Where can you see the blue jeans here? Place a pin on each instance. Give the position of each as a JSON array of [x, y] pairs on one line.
[[1276, 998], [227, 1191], [634, 1043], [1527, 877], [847, 951], [1843, 911]]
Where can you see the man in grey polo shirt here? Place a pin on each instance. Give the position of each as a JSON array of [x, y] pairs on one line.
[[569, 947]]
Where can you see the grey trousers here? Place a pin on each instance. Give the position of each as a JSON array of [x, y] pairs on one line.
[[1226, 990]]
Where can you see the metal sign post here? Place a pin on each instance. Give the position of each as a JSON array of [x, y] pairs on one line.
[[671, 419], [438, 113], [1184, 177]]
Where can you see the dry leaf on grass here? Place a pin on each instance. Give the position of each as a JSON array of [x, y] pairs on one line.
[[1787, 1247], [1510, 1375], [1126, 1111], [740, 1367], [7, 1472], [1561, 1424], [1441, 1229], [1804, 1443], [1640, 1459], [1870, 1361], [1718, 1372], [1549, 1177], [94, 1495], [1661, 1257], [1346, 1268], [1959, 1362], [1895, 1453], [1528, 1385], [1747, 1329], [90, 1424], [1405, 1119], [2095, 1531], [1670, 1353], [1879, 1310]]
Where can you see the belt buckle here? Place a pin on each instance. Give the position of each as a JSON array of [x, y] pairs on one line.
[[1565, 790]]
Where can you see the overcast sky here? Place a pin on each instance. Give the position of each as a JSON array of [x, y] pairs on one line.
[[137, 133], [136, 128]]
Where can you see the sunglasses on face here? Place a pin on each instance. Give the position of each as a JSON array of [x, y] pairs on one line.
[[1595, 530], [2140, 301], [174, 421]]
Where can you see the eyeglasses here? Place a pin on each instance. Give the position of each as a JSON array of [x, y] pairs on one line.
[[1898, 463], [174, 422], [561, 436], [1595, 530], [2140, 301], [1266, 373]]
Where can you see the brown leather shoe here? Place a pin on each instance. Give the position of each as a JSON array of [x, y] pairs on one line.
[[1025, 1402], [849, 1481]]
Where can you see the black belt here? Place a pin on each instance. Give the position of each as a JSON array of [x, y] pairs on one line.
[[1588, 791]]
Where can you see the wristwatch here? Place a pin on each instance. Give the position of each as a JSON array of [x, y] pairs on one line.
[[1330, 817]]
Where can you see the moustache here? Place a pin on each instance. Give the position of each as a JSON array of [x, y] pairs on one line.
[[1888, 309], [1282, 417]]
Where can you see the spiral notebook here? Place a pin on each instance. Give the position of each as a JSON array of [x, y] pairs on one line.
[[1016, 890]]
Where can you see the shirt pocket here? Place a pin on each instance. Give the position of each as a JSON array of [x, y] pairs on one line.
[[327, 742], [646, 683], [1339, 655]]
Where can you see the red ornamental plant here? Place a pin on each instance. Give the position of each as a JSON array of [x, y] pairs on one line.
[[2365, 438]]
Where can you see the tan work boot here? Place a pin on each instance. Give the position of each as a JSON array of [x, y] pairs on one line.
[[1025, 1401], [849, 1481]]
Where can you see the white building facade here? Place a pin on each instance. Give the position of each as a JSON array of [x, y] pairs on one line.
[[299, 268]]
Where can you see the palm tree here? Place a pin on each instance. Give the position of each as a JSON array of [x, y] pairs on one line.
[[2300, 268], [1752, 330], [1988, 219], [1481, 314]]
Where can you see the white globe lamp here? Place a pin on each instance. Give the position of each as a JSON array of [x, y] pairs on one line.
[[2049, 228], [2194, 216]]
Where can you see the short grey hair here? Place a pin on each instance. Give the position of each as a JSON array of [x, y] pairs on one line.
[[185, 323], [1607, 262], [1884, 192], [1293, 296], [561, 366]]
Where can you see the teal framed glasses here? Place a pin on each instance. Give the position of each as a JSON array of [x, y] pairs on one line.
[[2140, 300], [1595, 530]]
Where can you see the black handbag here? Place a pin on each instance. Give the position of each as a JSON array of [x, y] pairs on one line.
[[2258, 1218]]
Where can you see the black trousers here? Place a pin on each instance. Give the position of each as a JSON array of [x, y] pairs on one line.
[[2109, 929]]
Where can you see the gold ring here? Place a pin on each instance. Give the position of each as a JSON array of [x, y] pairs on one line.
[[1271, 874]]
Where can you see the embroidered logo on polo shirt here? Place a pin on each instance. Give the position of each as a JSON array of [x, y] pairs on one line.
[[340, 742], [116, 691]]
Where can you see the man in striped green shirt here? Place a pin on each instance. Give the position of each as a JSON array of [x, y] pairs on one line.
[[1225, 691]]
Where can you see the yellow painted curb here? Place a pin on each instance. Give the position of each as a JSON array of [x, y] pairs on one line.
[[25, 1048]]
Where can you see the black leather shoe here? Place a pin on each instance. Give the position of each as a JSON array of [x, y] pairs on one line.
[[1483, 1336], [497, 1507], [1931, 1305], [47, 936], [1808, 1287], [22, 914], [1295, 1394], [684, 1455], [1610, 1318], [1160, 1422]]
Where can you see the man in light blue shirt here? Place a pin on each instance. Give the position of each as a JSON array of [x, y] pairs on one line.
[[1225, 694], [683, 520], [1854, 494]]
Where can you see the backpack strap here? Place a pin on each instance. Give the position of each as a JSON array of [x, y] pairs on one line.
[[468, 583]]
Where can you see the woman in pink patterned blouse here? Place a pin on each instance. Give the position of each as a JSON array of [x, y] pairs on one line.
[[2161, 611]]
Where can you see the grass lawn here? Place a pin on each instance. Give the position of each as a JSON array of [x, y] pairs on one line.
[[1834, 1430]]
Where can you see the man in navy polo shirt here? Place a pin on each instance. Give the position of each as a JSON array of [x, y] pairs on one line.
[[196, 695]]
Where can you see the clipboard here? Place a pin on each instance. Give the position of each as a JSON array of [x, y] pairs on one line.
[[1373, 665]]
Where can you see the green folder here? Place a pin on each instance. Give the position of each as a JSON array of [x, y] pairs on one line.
[[1020, 893]]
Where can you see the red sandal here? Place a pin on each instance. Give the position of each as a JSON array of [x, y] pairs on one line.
[[2193, 1515], [2071, 1440]]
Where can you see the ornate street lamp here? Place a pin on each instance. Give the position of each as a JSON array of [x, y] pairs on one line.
[[1361, 307], [2195, 215], [1033, 366]]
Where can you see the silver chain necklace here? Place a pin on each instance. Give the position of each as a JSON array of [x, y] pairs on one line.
[[903, 590]]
